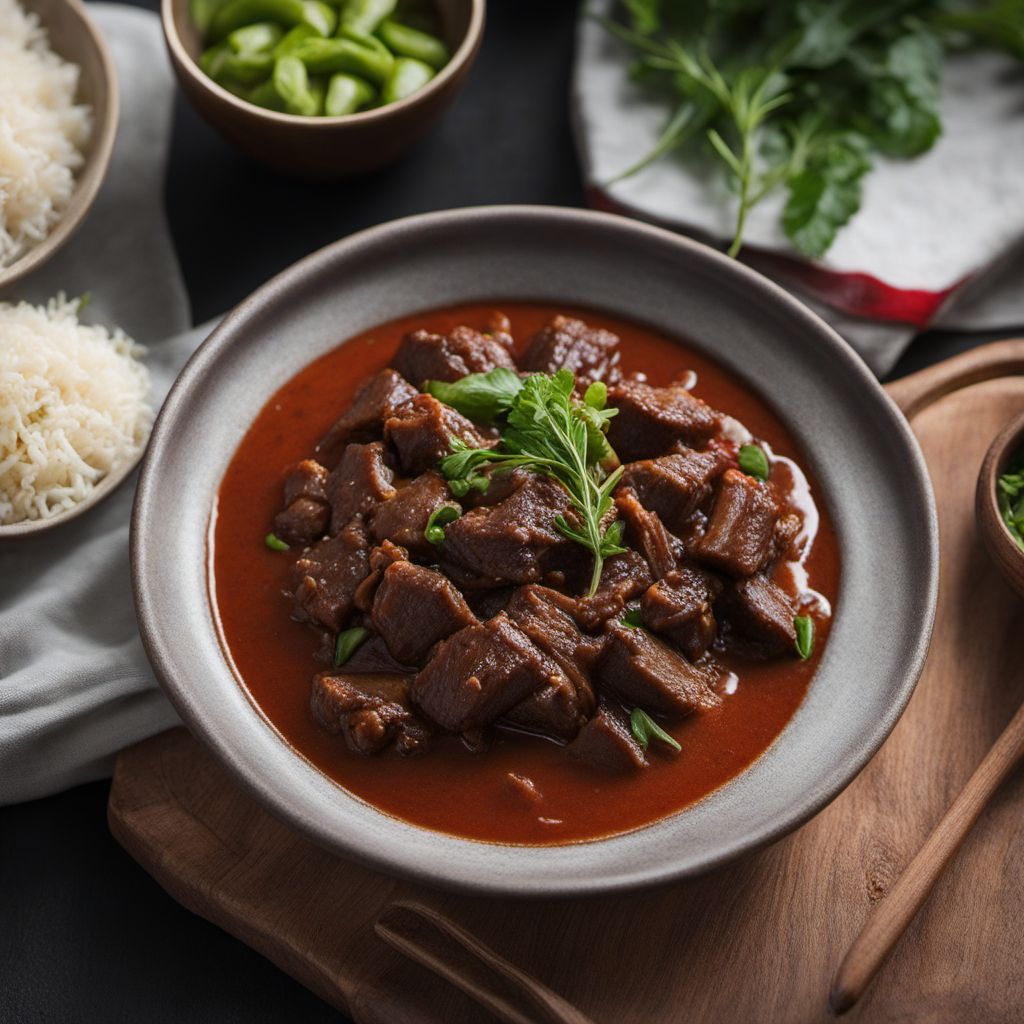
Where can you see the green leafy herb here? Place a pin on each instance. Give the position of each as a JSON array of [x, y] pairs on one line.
[[1010, 495], [801, 96], [438, 520], [633, 619], [274, 542], [347, 642], [804, 626], [481, 397], [753, 461], [550, 431], [645, 729]]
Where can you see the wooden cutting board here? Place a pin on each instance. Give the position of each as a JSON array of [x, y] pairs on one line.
[[756, 941]]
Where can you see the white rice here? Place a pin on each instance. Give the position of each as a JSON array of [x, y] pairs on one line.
[[74, 405], [42, 133]]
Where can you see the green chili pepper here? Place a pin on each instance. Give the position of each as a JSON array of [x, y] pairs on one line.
[[202, 12], [212, 60], [274, 542], [291, 82], [329, 56], [407, 76], [320, 17], [260, 37], [346, 94], [244, 68], [347, 642], [404, 41], [294, 38], [267, 96], [804, 626], [238, 13], [365, 15]]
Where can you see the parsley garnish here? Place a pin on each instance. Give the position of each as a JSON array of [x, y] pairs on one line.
[[550, 431], [804, 95]]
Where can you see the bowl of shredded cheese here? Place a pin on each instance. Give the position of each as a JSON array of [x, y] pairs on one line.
[[75, 413], [58, 119]]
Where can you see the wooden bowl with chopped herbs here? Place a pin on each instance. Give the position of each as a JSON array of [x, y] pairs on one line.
[[1000, 502]]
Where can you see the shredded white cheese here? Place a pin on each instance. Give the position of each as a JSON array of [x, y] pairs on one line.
[[74, 405], [42, 133]]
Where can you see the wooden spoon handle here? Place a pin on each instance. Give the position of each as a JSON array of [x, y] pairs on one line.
[[890, 919], [443, 947], [999, 359]]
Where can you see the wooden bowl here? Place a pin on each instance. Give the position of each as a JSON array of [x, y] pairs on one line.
[[73, 36], [325, 148], [999, 542]]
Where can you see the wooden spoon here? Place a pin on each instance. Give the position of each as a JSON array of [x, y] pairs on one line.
[[892, 916]]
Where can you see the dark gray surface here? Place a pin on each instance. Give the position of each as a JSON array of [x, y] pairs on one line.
[[85, 935]]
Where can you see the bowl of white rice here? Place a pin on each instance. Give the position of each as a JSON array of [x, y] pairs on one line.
[[58, 118], [75, 413]]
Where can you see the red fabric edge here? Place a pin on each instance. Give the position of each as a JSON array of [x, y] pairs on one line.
[[854, 292]]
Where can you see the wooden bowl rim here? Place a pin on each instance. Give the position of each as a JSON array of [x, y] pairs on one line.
[[460, 59], [97, 157], [1007, 442]]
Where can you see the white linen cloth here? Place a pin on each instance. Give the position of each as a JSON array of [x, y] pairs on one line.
[[957, 212], [75, 686]]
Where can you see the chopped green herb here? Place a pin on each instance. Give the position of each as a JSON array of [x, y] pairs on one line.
[[481, 397], [633, 619], [274, 542], [438, 520], [804, 626], [1010, 495], [645, 729], [803, 96], [347, 642], [550, 431], [753, 461]]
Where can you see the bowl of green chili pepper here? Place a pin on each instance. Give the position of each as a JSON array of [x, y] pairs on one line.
[[322, 89], [999, 502]]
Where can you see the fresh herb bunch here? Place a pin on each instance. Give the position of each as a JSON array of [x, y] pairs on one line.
[[544, 427], [1010, 494], [801, 94]]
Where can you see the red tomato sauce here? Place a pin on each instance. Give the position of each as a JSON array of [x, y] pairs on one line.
[[450, 789]]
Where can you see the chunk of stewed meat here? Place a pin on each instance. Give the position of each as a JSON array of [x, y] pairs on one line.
[[674, 485], [545, 617], [740, 532], [359, 482], [424, 356], [371, 711], [651, 420], [414, 608], [681, 607], [302, 522], [327, 575], [306, 513], [646, 532], [623, 577], [644, 671], [380, 558], [421, 431], [480, 673], [510, 542], [403, 518], [553, 710], [607, 742], [364, 419], [760, 611], [592, 353]]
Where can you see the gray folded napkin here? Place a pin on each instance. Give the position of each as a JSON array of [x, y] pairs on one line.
[[75, 685]]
